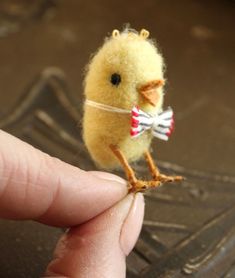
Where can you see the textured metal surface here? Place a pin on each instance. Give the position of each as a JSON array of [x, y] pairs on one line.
[[189, 228], [14, 14]]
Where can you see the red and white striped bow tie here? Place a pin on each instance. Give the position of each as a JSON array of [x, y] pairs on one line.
[[161, 124]]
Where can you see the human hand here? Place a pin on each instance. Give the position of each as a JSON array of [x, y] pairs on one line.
[[36, 186]]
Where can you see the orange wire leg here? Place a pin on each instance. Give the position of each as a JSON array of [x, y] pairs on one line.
[[155, 171], [152, 166], [135, 185], [128, 170]]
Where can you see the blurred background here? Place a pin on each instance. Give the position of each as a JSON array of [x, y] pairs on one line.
[[197, 39]]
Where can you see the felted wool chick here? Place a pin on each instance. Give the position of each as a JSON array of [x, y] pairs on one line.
[[123, 107]]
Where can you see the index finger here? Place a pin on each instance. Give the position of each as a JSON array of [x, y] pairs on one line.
[[34, 185]]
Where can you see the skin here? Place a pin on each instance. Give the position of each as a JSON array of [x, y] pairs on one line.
[[38, 187]]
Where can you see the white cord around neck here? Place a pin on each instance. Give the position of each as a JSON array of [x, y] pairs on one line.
[[106, 107]]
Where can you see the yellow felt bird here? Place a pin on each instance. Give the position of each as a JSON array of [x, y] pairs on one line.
[[123, 106]]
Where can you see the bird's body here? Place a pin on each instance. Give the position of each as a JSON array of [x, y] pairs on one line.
[[115, 131]]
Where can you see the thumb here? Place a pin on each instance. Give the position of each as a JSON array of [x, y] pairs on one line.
[[99, 247]]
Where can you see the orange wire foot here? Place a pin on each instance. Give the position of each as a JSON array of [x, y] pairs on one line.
[[164, 178], [141, 186]]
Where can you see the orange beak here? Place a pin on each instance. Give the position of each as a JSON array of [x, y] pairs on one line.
[[149, 91]]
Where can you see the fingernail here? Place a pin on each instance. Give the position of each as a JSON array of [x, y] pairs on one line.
[[132, 225], [108, 176]]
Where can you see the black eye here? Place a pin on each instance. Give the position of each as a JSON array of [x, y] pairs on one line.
[[115, 79]]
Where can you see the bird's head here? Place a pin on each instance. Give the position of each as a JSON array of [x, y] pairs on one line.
[[126, 71]]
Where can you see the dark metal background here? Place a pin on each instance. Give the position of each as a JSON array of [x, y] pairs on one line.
[[189, 229]]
